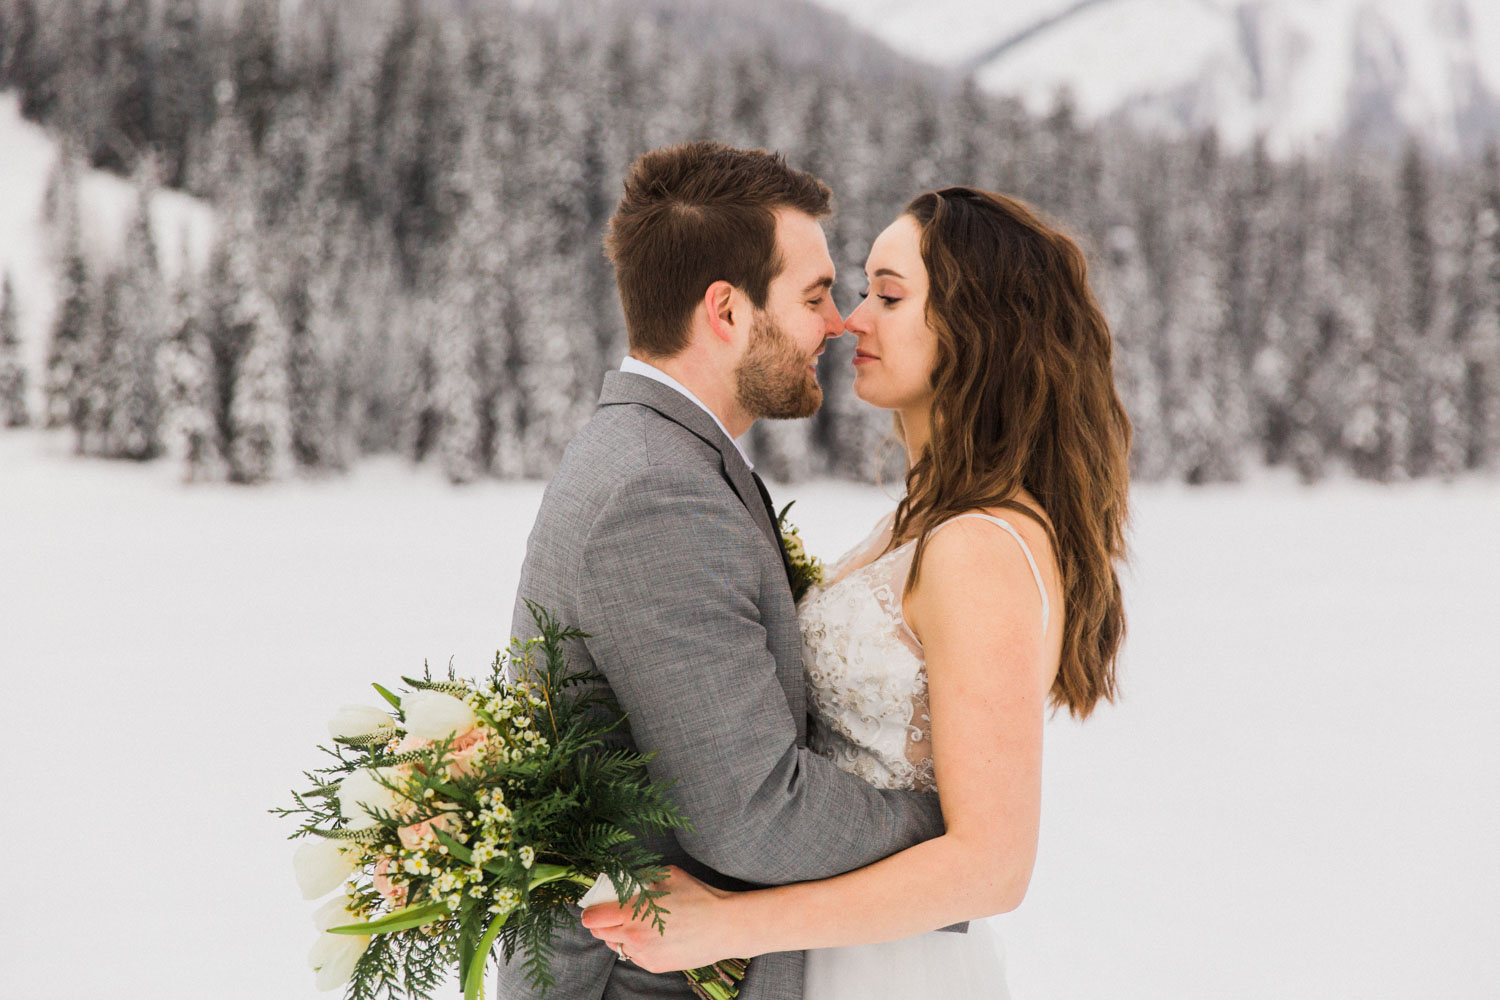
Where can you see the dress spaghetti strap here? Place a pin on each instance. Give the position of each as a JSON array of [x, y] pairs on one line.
[[1026, 549]]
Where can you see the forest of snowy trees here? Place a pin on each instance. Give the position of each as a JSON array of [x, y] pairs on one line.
[[410, 219]]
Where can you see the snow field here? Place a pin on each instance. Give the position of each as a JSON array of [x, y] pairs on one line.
[[1296, 797]]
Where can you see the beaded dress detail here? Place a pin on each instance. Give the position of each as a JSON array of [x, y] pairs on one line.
[[866, 677]]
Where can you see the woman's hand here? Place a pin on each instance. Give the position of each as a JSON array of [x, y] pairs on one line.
[[698, 928]]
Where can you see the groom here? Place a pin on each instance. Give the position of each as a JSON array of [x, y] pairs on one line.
[[657, 539]]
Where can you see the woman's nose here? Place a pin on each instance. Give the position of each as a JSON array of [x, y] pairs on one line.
[[855, 322]]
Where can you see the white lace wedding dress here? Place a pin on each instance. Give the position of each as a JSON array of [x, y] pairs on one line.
[[867, 687]]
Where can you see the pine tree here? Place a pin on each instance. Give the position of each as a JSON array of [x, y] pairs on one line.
[[1133, 313], [247, 344], [255, 68], [261, 449], [1477, 324], [1207, 414], [13, 412], [103, 385], [1413, 348], [457, 392], [468, 324], [309, 396], [183, 94], [185, 375], [134, 426], [69, 348], [129, 87]]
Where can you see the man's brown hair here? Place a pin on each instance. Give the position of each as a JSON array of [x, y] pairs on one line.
[[695, 214]]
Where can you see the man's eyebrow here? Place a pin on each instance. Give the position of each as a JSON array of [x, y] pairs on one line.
[[824, 283]]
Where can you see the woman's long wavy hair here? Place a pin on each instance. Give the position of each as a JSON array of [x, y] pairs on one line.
[[1024, 398]]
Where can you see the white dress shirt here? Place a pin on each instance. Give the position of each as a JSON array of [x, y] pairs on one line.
[[635, 366]]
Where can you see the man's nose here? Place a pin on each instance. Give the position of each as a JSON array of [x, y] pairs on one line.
[[833, 323]]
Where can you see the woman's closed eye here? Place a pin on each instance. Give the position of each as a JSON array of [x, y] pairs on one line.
[[889, 300]]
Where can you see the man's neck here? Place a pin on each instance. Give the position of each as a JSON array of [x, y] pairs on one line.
[[699, 376]]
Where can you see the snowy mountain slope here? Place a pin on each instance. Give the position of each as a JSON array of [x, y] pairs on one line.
[[1298, 71], [106, 202]]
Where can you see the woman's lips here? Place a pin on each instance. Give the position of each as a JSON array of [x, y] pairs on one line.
[[861, 356]]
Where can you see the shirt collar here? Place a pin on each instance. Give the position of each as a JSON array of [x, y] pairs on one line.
[[635, 366]]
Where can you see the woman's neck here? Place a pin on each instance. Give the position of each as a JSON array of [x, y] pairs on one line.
[[916, 431]]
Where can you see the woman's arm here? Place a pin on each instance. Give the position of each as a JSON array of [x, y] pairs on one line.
[[978, 614]]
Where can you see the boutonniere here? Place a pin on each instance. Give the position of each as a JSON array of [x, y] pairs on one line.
[[807, 571]]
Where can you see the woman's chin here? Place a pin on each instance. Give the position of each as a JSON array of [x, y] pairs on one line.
[[869, 395]]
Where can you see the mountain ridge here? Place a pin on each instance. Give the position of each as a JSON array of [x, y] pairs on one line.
[[1297, 73]]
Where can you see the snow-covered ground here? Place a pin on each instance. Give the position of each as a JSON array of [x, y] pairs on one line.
[[1297, 798]]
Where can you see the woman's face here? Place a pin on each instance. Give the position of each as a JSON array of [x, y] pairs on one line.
[[896, 349]]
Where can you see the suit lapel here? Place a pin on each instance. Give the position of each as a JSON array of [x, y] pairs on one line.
[[624, 387]]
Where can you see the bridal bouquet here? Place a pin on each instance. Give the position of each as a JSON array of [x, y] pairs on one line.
[[472, 814]]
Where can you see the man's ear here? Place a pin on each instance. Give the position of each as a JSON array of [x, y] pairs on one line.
[[719, 302]]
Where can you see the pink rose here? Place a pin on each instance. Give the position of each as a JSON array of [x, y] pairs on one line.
[[383, 884], [467, 750], [410, 742], [413, 834]]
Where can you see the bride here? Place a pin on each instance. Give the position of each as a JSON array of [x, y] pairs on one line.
[[936, 645]]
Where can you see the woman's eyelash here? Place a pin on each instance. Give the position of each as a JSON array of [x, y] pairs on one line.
[[887, 299]]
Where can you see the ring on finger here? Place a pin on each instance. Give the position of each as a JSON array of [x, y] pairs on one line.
[[620, 951]]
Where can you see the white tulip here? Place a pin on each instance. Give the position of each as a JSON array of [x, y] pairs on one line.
[[602, 891], [433, 715], [362, 789], [334, 957], [352, 721], [321, 866], [335, 913]]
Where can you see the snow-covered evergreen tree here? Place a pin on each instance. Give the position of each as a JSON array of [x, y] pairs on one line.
[[1133, 313], [13, 412], [183, 92], [1203, 390], [103, 382], [457, 392], [190, 433], [262, 446], [133, 429], [69, 350]]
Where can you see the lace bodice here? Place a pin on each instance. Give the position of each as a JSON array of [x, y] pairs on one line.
[[866, 673]]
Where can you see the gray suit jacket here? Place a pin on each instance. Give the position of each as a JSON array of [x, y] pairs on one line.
[[653, 539]]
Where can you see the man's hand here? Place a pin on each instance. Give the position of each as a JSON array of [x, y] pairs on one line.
[[699, 927]]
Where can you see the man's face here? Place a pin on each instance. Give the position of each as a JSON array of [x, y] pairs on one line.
[[777, 375]]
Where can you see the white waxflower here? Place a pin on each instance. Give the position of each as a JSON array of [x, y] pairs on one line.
[[528, 855], [352, 721], [322, 866], [334, 957], [362, 789], [433, 715]]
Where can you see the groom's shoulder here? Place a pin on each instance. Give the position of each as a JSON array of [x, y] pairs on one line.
[[630, 439], [628, 447]]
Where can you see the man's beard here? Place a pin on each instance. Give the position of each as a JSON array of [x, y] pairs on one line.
[[772, 379]]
